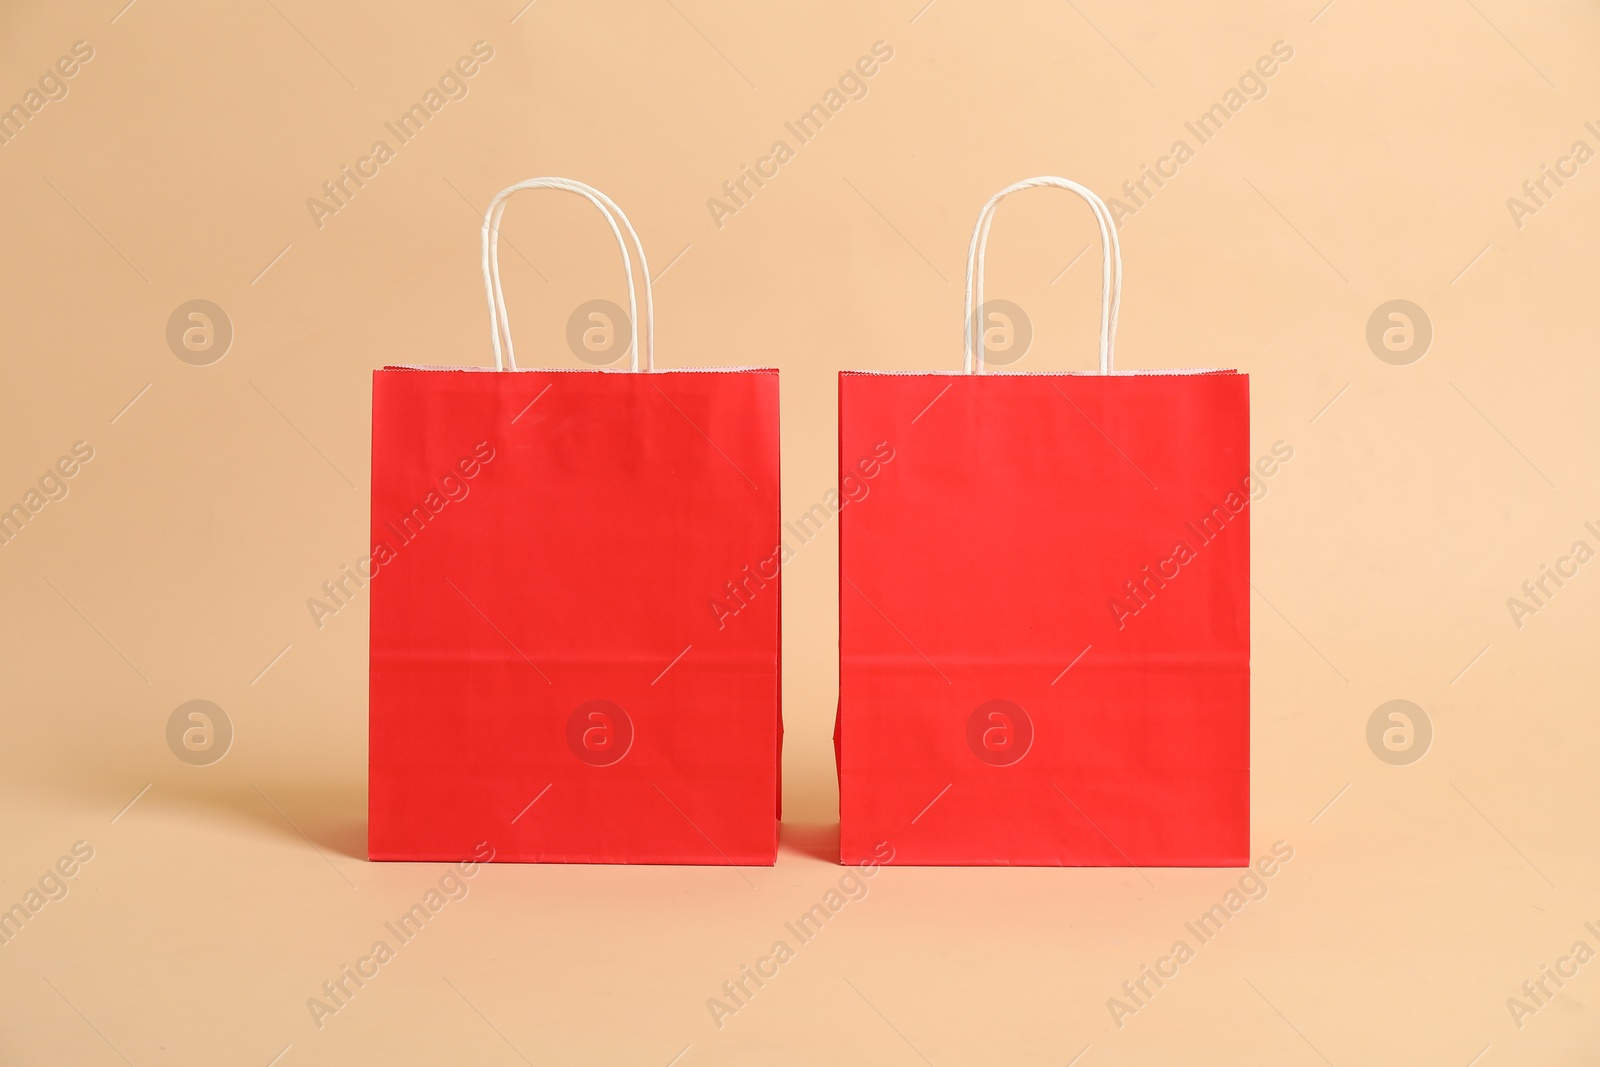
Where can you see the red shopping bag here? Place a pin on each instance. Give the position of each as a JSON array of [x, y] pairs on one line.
[[575, 615], [1044, 623]]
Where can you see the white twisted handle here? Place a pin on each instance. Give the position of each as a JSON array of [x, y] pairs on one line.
[[1110, 269], [500, 321]]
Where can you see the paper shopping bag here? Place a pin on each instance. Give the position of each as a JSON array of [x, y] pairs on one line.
[[1044, 620], [575, 614]]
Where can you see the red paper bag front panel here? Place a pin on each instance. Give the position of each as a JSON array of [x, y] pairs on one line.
[[560, 666], [1044, 622]]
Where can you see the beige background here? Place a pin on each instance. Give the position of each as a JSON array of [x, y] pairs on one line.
[[1377, 167]]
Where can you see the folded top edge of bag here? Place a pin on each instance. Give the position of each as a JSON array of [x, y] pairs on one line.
[[1153, 372], [582, 370]]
